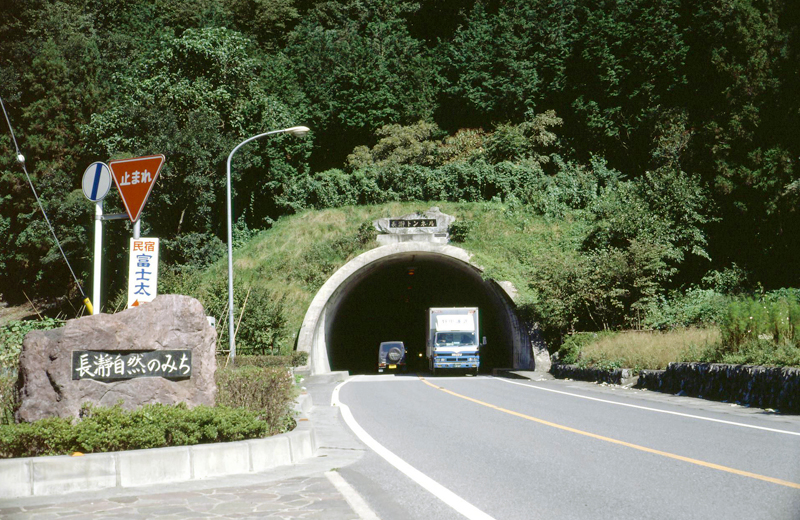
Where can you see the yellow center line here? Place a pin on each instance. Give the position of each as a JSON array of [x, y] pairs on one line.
[[621, 443]]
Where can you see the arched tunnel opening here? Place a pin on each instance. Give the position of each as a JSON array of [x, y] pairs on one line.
[[389, 301]]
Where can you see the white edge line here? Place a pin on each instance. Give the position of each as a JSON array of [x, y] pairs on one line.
[[352, 497], [700, 417], [442, 493]]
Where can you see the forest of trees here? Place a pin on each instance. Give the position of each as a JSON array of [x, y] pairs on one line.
[[672, 127]]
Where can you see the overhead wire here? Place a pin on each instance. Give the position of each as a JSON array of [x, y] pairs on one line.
[[21, 161]]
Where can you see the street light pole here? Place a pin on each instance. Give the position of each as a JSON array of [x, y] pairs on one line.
[[298, 131]]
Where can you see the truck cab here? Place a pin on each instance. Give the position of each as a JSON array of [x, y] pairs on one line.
[[452, 341]]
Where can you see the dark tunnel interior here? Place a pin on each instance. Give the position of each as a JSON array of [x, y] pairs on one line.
[[390, 303]]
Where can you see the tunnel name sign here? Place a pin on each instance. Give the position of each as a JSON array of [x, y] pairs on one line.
[[112, 366], [412, 223]]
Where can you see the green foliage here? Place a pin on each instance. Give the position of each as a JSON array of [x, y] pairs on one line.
[[113, 429], [398, 144], [639, 349], [261, 328], [695, 307], [763, 331], [749, 319], [360, 68], [260, 316], [460, 230], [500, 65], [296, 359], [268, 391], [9, 396], [570, 350], [755, 352], [13, 333], [526, 140]]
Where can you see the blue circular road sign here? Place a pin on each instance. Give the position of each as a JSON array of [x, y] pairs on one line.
[[96, 181]]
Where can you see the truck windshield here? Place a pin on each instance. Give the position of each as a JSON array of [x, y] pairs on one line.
[[455, 339]]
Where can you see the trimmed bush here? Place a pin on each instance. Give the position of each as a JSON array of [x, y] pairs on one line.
[[113, 429]]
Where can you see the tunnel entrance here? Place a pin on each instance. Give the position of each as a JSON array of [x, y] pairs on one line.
[[390, 303], [384, 295]]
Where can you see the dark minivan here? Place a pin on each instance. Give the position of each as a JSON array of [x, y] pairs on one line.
[[392, 356]]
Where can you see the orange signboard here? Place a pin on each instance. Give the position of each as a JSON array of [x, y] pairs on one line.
[[134, 179]]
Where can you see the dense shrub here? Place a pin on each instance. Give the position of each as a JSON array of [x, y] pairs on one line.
[[769, 318], [13, 333], [112, 429], [755, 352], [9, 398], [696, 307], [267, 391]]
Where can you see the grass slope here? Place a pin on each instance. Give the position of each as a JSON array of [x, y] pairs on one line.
[[286, 265]]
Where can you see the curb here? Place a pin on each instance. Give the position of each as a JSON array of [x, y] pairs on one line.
[[62, 474]]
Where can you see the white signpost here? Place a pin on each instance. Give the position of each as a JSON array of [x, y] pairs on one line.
[[96, 183], [143, 271]]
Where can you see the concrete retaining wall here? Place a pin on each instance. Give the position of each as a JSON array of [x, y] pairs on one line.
[[764, 387], [617, 376], [35, 476]]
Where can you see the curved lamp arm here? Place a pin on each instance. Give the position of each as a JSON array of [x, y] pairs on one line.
[[298, 131]]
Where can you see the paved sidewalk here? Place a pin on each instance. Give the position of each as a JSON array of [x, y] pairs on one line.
[[312, 497]]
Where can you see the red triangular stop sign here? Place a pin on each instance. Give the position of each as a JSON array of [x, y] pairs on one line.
[[134, 179]]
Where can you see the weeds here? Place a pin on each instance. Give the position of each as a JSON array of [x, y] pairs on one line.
[[640, 350]]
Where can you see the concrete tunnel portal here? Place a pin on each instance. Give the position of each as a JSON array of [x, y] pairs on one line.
[[384, 295]]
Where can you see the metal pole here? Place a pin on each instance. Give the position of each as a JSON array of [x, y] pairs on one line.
[[231, 342], [98, 256], [296, 130], [137, 229]]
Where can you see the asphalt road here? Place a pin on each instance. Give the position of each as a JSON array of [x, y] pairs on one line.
[[517, 449]]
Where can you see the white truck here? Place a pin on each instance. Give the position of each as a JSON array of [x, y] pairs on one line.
[[453, 339]]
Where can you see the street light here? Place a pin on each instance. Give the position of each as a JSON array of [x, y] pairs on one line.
[[298, 131]]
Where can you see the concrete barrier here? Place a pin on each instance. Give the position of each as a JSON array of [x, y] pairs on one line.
[[764, 387], [616, 376], [163, 465], [39, 476]]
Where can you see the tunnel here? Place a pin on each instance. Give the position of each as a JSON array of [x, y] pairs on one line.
[[384, 295]]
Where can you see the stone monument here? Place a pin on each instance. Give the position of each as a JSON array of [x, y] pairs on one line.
[[159, 352]]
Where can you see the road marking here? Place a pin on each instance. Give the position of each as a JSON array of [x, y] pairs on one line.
[[622, 443], [356, 501], [427, 483], [700, 417]]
